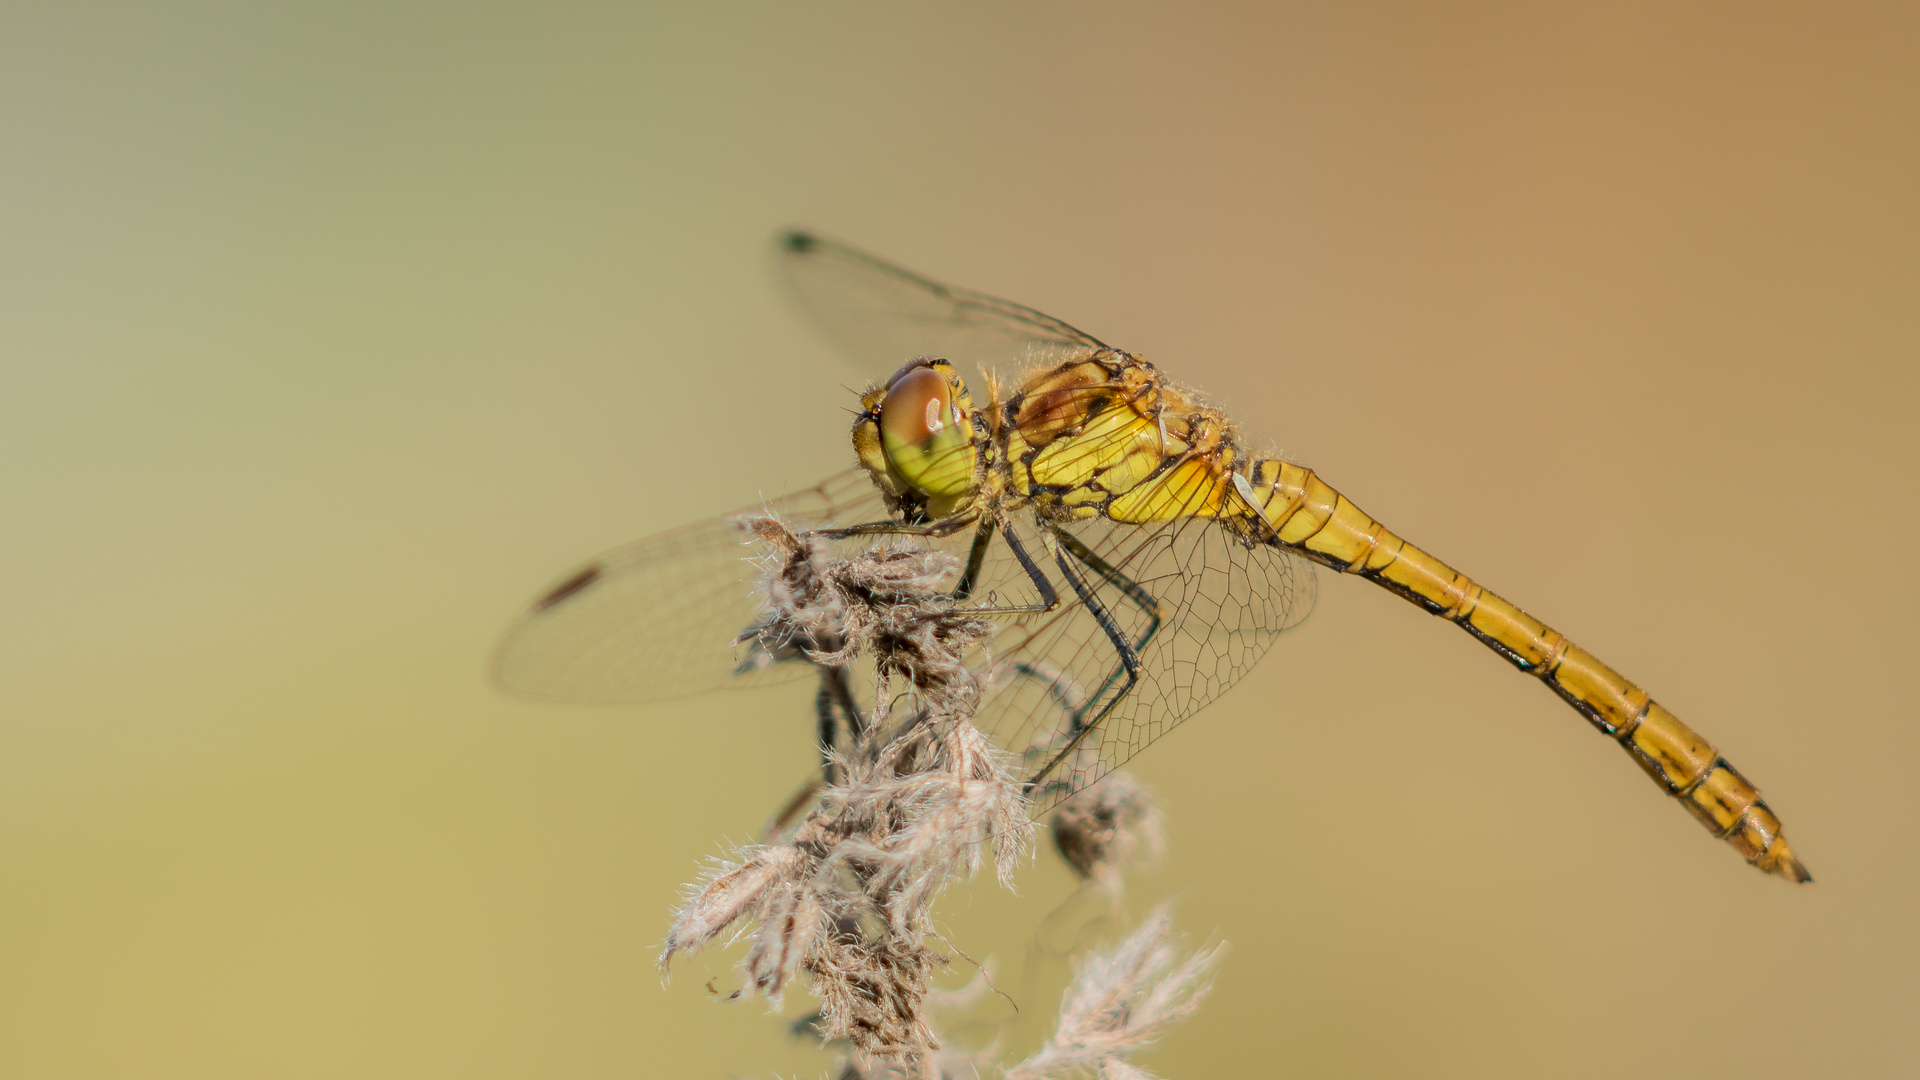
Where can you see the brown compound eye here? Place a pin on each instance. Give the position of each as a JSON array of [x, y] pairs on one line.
[[917, 408], [926, 439]]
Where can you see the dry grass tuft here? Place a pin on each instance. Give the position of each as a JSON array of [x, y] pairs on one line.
[[1108, 826], [916, 799], [1121, 1001]]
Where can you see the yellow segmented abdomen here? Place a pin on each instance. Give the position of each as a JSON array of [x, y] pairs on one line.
[[1313, 519]]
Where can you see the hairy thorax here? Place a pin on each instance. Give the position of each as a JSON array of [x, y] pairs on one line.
[[1106, 435]]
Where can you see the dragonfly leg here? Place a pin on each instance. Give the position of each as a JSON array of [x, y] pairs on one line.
[[1049, 596], [1080, 722], [1128, 587], [1129, 659], [1129, 650], [982, 540], [944, 527]]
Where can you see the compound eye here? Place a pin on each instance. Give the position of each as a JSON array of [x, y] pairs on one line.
[[917, 409], [926, 439]]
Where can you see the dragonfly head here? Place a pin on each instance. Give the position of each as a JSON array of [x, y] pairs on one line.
[[918, 435]]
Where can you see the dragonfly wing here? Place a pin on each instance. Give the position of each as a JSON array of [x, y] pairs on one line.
[[884, 314], [1220, 603], [656, 619]]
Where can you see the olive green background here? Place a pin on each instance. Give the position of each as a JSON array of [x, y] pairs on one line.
[[329, 334]]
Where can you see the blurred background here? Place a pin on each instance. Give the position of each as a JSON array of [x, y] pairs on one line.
[[329, 333]]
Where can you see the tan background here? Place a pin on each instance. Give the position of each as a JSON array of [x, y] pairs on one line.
[[327, 336]]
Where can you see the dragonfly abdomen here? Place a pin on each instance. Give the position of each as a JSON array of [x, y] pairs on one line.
[[1310, 517]]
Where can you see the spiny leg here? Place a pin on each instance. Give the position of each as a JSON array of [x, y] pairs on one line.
[[1049, 596], [976, 557], [1079, 722], [1131, 589], [1129, 650], [1129, 659], [944, 527]]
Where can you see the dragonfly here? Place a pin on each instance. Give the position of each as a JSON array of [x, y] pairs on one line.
[[1137, 557]]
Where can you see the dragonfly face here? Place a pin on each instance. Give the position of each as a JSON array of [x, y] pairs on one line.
[[921, 438]]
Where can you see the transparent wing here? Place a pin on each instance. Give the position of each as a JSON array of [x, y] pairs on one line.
[[884, 314], [1220, 601], [656, 619]]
